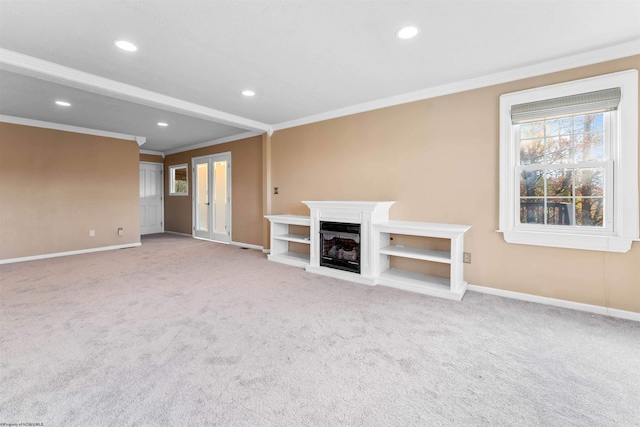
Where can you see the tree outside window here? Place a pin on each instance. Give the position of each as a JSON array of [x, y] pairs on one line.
[[178, 182], [562, 178]]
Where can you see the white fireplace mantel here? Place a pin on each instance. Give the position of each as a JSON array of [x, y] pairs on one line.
[[365, 213]]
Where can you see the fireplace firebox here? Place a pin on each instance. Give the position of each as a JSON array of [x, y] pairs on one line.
[[340, 246]]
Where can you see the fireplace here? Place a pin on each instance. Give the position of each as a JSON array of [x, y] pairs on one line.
[[356, 218], [340, 246]]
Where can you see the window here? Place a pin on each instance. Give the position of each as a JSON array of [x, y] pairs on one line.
[[569, 164], [563, 172], [178, 184]]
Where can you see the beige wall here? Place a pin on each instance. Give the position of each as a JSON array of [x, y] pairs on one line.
[[151, 158], [438, 159], [55, 186], [246, 190]]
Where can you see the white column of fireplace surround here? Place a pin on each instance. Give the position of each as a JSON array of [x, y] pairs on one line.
[[365, 213]]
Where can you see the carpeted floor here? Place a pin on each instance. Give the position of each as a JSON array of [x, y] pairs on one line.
[[186, 332]]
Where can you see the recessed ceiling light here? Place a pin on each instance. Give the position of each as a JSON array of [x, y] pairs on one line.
[[248, 93], [125, 45], [407, 32], [163, 124], [63, 103]]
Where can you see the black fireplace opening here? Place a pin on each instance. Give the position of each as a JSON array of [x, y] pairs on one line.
[[340, 246]]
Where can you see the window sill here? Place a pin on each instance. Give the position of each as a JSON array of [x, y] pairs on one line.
[[569, 241]]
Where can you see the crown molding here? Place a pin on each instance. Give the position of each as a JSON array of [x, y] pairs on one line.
[[231, 138], [45, 70], [579, 60], [153, 153], [68, 128]]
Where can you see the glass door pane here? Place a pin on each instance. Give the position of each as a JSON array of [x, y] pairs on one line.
[[202, 196], [220, 196]]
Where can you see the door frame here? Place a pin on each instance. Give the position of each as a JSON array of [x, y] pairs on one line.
[[211, 159], [161, 191]]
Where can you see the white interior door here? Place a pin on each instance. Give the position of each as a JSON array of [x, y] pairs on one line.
[[212, 197], [151, 209]]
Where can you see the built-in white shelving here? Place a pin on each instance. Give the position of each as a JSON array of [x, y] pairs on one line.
[[452, 287], [416, 282], [281, 237], [376, 247]]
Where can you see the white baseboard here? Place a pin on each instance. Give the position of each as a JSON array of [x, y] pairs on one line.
[[246, 245], [177, 234], [266, 251], [59, 254], [613, 312], [242, 245]]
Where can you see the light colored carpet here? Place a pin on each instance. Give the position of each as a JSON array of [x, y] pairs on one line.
[[185, 332]]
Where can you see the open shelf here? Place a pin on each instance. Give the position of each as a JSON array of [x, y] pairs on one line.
[[417, 253], [295, 259], [298, 238], [451, 288], [427, 229], [421, 283], [281, 236]]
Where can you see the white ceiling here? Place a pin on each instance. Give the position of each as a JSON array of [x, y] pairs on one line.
[[303, 58]]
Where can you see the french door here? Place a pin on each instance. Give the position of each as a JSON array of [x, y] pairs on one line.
[[212, 197]]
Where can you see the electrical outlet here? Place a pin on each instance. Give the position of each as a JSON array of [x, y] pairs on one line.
[[466, 257], [276, 190], [120, 232], [92, 233]]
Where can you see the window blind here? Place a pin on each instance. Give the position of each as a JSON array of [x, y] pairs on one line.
[[601, 100]]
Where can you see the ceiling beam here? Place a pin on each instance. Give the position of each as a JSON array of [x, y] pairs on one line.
[[27, 65]]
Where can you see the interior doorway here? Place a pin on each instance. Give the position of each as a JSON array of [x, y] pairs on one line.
[[212, 197], [151, 191]]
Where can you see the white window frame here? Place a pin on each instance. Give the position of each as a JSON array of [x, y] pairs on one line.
[[623, 152], [172, 179]]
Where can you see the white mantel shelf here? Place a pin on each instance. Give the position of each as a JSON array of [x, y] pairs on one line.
[[352, 205], [375, 249]]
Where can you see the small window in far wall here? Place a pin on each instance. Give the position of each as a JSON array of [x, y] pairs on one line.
[[178, 182]]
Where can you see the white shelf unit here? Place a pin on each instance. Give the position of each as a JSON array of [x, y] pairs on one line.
[[281, 237], [452, 288]]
